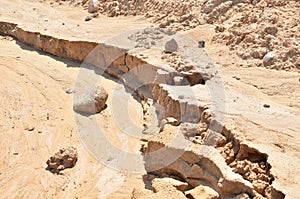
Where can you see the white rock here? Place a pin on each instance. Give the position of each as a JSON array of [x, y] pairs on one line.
[[93, 6], [268, 57]]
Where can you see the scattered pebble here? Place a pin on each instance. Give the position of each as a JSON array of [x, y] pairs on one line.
[[237, 78], [88, 18], [70, 90], [201, 44], [267, 106], [29, 128]]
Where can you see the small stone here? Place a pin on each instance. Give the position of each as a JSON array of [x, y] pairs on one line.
[[70, 90], [268, 58], [201, 44], [173, 121], [88, 18], [267, 106], [29, 128], [171, 46]]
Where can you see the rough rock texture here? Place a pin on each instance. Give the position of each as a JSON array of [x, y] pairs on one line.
[[202, 192], [160, 183], [91, 102], [167, 191], [254, 28], [194, 164], [65, 158]]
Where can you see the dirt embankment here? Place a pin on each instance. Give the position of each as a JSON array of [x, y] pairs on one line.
[[250, 28]]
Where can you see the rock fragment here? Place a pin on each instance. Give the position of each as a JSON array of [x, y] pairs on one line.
[[70, 90], [65, 158], [93, 6], [88, 18], [201, 44], [268, 58], [171, 46]]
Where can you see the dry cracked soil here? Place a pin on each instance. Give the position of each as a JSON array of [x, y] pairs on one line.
[[201, 99]]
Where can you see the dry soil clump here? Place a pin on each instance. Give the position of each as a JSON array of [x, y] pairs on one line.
[[63, 159]]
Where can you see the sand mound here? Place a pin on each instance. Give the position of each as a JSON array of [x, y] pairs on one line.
[[254, 28]]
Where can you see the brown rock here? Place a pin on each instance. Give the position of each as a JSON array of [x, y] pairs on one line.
[[65, 158], [260, 186]]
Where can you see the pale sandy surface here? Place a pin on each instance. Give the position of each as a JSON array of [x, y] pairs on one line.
[[33, 88]]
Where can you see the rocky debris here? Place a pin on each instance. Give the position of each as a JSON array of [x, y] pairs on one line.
[[149, 37], [171, 46], [176, 61], [65, 158], [176, 14], [212, 138], [160, 184], [202, 192], [90, 102], [259, 30], [93, 6]]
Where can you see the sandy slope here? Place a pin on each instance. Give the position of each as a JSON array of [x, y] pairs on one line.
[[33, 95]]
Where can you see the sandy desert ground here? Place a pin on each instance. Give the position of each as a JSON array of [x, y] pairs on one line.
[[252, 153]]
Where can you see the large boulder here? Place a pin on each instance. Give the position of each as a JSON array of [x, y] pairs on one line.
[[91, 102]]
